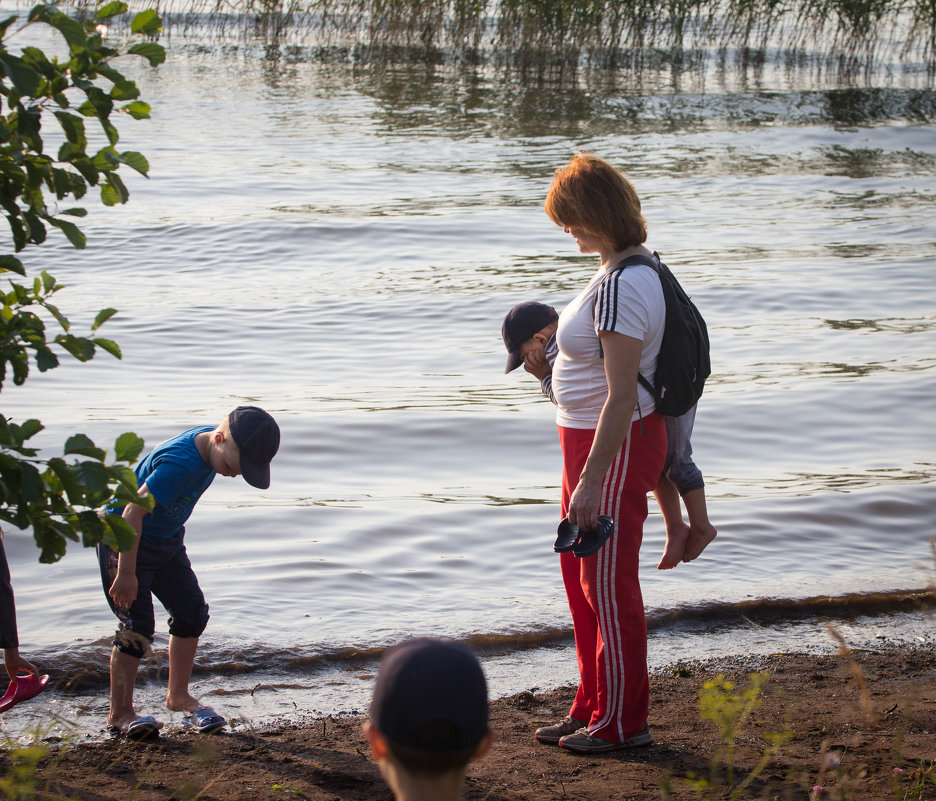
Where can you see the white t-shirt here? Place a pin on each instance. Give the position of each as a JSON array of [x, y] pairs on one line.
[[631, 303]]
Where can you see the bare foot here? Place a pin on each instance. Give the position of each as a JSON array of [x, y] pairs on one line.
[[183, 703], [699, 538], [121, 722], [674, 550]]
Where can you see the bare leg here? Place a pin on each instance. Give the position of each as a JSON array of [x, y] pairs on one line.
[[181, 660], [123, 672], [701, 531], [677, 532]]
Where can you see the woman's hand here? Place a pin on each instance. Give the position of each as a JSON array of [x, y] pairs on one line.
[[584, 503]]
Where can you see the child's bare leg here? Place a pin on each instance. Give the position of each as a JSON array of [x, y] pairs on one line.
[[677, 532], [701, 531], [123, 672], [181, 660]]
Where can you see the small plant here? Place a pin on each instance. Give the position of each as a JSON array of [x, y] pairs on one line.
[[918, 782], [730, 709], [20, 782]]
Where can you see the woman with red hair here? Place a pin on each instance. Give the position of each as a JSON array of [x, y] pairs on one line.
[[613, 448]]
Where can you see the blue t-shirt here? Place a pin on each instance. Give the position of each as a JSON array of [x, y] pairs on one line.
[[176, 476]]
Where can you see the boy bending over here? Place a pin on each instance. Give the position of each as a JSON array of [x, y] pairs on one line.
[[175, 474]]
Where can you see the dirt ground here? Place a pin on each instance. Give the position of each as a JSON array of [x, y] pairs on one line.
[[861, 726]]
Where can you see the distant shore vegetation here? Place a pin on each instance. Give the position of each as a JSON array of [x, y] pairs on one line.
[[567, 35]]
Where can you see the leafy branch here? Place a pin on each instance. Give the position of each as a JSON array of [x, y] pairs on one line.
[[60, 498]]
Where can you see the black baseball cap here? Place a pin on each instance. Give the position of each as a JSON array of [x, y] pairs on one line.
[[257, 437], [431, 694], [521, 322]]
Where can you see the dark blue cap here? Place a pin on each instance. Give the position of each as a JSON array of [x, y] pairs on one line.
[[431, 694], [521, 322], [257, 437]]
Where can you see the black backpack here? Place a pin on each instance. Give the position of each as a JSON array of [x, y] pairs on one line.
[[684, 362]]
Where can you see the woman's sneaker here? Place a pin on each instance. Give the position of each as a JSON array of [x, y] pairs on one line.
[[552, 734], [581, 742]]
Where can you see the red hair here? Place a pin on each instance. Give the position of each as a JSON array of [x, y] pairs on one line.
[[590, 194]]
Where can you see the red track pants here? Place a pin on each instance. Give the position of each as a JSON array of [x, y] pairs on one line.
[[604, 590]]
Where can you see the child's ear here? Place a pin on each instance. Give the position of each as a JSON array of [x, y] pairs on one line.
[[484, 746], [377, 741], [541, 338], [218, 436]]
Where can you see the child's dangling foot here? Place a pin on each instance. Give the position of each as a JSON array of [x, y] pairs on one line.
[[677, 539]]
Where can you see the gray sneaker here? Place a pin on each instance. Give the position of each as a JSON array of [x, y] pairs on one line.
[[552, 734], [581, 742]]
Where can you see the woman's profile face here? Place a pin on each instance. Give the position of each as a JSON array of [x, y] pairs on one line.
[[587, 243]]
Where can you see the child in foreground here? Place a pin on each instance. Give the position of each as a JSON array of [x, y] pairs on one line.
[[175, 474], [428, 718], [529, 333]]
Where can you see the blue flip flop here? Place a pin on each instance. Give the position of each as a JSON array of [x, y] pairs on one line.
[[143, 728], [204, 720], [590, 542]]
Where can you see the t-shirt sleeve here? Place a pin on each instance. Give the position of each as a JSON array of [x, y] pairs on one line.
[[168, 480], [621, 306]]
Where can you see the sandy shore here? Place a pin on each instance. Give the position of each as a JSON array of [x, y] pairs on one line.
[[861, 726]]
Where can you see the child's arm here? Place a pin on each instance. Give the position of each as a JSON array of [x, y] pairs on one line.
[[124, 589]]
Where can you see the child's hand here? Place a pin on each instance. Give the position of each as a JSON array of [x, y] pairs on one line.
[[124, 590], [536, 364]]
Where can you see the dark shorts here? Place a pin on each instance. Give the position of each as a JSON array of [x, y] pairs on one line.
[[162, 569]]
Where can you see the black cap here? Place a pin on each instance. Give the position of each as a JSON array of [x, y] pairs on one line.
[[431, 694], [521, 322], [257, 437]]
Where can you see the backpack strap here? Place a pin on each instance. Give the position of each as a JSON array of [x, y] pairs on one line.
[[629, 261]]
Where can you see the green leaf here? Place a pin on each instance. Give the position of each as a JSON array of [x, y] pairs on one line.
[[102, 317], [94, 477], [71, 29], [83, 446], [124, 89], [51, 543], [31, 484], [112, 9], [21, 75], [107, 160], [65, 475], [74, 128], [117, 184], [27, 429], [46, 359], [154, 53], [79, 347], [146, 22], [127, 447], [92, 528], [75, 212], [137, 109], [120, 534], [49, 284], [110, 346], [136, 161], [12, 264], [113, 135], [72, 231]]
